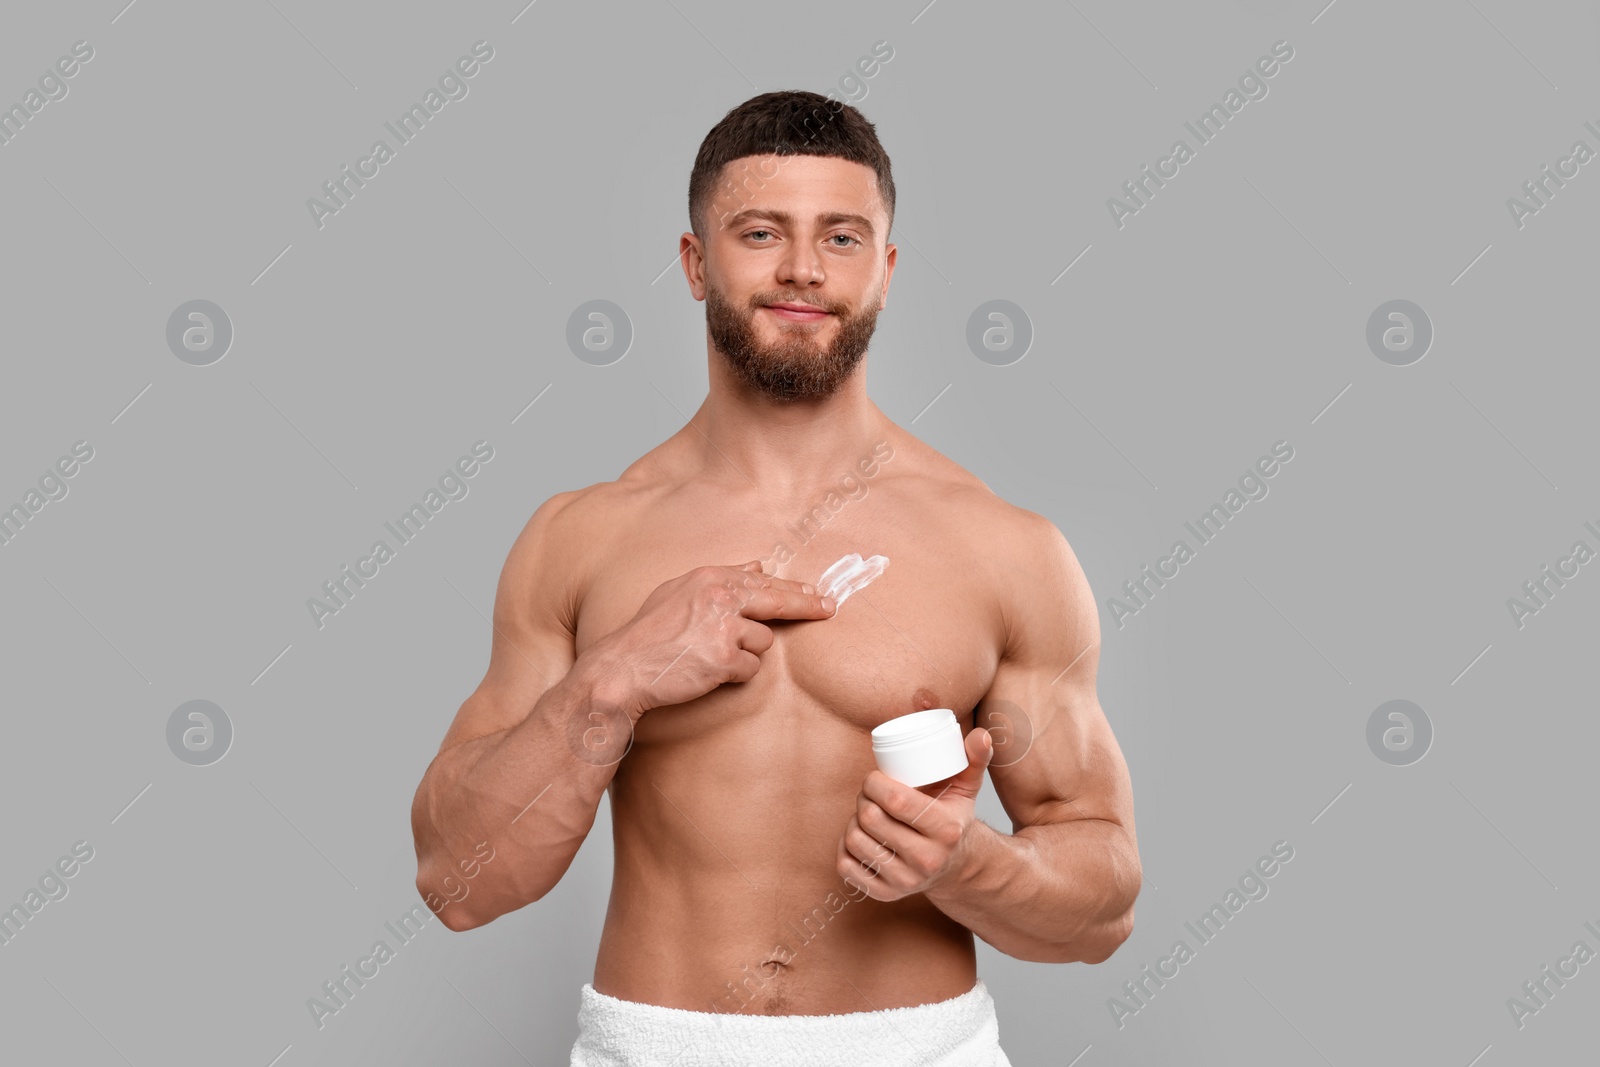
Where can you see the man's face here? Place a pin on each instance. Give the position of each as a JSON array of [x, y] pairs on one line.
[[796, 269]]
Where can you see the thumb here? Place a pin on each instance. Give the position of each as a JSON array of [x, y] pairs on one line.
[[980, 750]]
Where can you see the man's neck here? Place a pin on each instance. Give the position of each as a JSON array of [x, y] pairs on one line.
[[783, 450]]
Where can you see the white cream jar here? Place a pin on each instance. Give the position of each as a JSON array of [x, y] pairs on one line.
[[922, 747]]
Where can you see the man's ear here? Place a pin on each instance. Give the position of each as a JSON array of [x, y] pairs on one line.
[[691, 254], [888, 275]]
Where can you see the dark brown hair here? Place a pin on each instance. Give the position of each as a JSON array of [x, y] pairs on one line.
[[790, 122]]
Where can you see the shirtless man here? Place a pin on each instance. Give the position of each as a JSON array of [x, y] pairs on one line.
[[762, 864]]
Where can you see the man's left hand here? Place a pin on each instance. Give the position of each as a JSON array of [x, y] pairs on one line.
[[904, 840]]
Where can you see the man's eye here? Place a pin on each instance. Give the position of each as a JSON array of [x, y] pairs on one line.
[[846, 236], [752, 233]]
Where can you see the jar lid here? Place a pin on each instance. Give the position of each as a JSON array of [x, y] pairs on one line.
[[916, 726]]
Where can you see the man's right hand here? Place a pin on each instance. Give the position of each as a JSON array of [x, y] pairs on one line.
[[699, 630]]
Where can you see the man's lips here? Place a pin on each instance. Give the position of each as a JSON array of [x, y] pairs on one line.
[[797, 312]]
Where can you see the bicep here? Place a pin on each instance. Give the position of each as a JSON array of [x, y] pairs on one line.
[[1056, 758], [532, 645]]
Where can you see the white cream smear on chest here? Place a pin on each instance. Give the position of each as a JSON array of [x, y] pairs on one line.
[[850, 575]]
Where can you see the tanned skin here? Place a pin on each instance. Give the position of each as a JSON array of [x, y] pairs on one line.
[[659, 639]]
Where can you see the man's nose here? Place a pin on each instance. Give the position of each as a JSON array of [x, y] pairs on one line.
[[800, 265]]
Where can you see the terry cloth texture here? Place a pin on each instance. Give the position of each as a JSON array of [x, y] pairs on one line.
[[959, 1032]]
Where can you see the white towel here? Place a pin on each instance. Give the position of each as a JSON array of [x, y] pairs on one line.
[[959, 1032]]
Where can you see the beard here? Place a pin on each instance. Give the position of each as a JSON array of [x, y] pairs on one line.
[[796, 367]]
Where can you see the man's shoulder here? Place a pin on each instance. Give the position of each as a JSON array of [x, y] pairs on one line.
[[579, 524], [1025, 553], [571, 519], [554, 557], [1008, 528]]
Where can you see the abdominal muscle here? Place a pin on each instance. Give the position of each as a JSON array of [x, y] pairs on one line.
[[725, 896]]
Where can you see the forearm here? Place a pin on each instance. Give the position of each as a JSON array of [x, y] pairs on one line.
[[529, 794], [1050, 893]]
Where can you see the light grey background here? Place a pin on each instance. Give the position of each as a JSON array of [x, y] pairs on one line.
[[1228, 314]]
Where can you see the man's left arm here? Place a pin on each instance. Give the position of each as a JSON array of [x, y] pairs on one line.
[[1060, 888]]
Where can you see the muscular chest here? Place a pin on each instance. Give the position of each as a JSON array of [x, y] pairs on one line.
[[924, 633]]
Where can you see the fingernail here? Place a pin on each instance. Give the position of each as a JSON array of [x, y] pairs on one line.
[[828, 603], [808, 588]]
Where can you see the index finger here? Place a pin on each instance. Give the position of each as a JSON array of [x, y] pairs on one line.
[[758, 577], [784, 598]]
